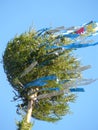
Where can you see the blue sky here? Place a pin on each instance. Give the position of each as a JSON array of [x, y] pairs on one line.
[[16, 16]]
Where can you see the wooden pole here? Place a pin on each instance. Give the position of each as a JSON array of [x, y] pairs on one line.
[[33, 98], [29, 111]]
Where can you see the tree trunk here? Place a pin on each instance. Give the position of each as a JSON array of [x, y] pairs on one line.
[[29, 111], [32, 97]]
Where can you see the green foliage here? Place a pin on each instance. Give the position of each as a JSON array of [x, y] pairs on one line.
[[26, 49], [23, 125], [53, 109]]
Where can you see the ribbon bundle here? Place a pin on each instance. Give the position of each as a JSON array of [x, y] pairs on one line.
[[76, 37]]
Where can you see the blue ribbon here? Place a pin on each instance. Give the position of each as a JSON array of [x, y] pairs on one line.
[[77, 90], [41, 31], [71, 35], [40, 81], [72, 46]]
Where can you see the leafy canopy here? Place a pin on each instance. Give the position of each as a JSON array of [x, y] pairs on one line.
[[26, 49]]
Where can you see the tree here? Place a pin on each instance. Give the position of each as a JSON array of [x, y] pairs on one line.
[[42, 69]]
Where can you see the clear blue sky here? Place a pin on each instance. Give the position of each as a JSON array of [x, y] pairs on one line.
[[16, 16]]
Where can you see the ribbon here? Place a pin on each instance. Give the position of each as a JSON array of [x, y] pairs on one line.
[[29, 68], [76, 90], [72, 46], [40, 81]]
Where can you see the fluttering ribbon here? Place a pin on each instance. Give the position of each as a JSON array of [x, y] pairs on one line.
[[40, 81], [73, 46], [29, 68], [87, 29], [67, 88], [77, 89]]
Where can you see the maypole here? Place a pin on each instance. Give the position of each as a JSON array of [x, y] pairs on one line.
[[45, 74]]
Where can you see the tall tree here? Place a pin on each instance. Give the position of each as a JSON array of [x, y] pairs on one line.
[[42, 69]]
